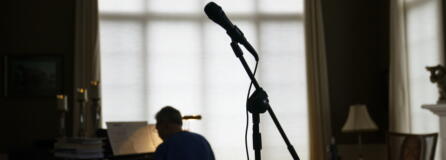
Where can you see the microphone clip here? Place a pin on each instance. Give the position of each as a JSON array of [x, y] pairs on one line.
[[236, 35]]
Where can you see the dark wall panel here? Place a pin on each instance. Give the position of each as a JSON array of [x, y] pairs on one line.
[[34, 28], [357, 61]]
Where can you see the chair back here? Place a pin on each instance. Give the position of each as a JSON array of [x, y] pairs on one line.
[[403, 146]]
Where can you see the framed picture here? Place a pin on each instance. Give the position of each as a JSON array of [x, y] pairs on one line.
[[33, 76]]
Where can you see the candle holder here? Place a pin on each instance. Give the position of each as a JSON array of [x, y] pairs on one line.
[[82, 99], [96, 104], [62, 108], [97, 113]]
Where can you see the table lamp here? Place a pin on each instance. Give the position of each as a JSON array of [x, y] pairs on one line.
[[359, 121]]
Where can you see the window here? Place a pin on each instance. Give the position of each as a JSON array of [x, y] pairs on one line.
[[424, 49], [164, 52], [423, 46]]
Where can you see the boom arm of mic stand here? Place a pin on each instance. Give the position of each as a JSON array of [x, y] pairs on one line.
[[239, 53]]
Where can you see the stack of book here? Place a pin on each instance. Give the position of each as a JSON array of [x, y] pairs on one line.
[[79, 148]]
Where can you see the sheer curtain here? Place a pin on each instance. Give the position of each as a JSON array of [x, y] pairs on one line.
[[87, 67], [423, 49], [166, 52], [318, 98], [416, 43]]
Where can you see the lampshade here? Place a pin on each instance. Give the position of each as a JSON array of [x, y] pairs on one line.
[[359, 120]]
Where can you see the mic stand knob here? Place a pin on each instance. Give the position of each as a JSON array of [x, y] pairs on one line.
[[258, 102]]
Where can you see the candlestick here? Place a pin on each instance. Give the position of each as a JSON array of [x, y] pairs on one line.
[[62, 124], [82, 97], [62, 102], [97, 113], [94, 94], [63, 108], [82, 94], [82, 124]]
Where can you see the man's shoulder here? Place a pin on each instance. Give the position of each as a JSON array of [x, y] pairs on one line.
[[187, 133], [187, 136], [179, 145]]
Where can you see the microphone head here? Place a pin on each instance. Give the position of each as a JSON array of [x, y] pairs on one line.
[[211, 7], [216, 14]]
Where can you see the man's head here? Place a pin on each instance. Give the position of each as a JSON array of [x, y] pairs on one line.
[[168, 122]]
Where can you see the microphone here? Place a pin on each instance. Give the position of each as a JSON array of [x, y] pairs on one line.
[[216, 14]]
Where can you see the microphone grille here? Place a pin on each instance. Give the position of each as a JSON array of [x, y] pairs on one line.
[[212, 9], [216, 14]]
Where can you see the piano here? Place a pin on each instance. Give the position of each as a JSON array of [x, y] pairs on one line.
[[108, 152]]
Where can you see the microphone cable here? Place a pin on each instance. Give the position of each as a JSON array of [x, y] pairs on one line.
[[247, 115]]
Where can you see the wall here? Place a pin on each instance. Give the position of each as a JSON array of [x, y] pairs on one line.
[[32, 28], [357, 60]]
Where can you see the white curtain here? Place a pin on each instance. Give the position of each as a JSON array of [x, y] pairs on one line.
[[319, 104], [399, 100], [423, 41], [86, 58], [415, 43], [166, 52]]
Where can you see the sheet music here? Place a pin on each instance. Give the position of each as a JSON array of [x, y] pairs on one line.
[[132, 137], [155, 140]]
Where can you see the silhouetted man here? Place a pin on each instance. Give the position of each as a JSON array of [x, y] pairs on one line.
[[178, 144]]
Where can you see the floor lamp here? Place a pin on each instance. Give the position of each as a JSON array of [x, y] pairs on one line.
[[359, 121]]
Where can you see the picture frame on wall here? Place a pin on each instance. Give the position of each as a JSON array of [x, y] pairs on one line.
[[33, 76]]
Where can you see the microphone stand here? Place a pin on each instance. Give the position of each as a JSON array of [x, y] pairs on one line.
[[258, 103]]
